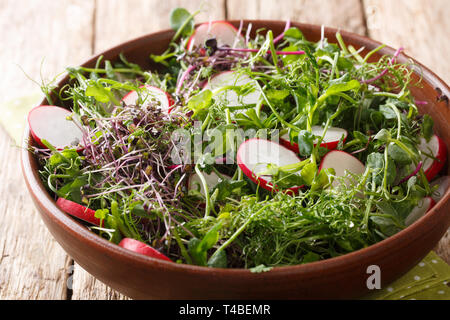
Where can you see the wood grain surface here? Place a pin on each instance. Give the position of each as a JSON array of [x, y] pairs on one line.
[[65, 32], [118, 20], [43, 35], [32, 264], [347, 15], [420, 27]]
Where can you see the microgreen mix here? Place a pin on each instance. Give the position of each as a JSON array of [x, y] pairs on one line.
[[128, 168]]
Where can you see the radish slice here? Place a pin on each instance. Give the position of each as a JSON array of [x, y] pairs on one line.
[[342, 163], [142, 248], [422, 207], [50, 123], [437, 148], [150, 94], [330, 140], [225, 34], [443, 184], [212, 180], [230, 97], [254, 156], [77, 210]]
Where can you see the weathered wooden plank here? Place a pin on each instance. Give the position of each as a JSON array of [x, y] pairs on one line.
[[56, 33], [117, 21], [86, 287], [419, 26], [32, 264], [347, 15]]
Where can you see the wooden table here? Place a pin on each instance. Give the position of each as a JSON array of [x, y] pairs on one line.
[[56, 34]]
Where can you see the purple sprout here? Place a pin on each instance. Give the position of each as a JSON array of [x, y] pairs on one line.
[[281, 35], [383, 73], [419, 166]]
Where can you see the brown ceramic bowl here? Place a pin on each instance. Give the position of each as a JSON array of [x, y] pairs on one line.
[[141, 277]]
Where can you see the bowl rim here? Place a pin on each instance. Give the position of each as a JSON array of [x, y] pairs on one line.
[[47, 203]]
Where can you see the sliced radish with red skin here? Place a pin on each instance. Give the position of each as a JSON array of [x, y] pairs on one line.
[[342, 163], [142, 248], [212, 180], [254, 156], [149, 92], [51, 123], [230, 97], [437, 148], [443, 184], [78, 211], [330, 140], [224, 32], [418, 211]]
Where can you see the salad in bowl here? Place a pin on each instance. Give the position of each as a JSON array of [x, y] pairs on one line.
[[241, 151]]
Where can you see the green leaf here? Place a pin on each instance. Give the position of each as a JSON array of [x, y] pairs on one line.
[[386, 208], [340, 87], [179, 18], [391, 171], [211, 237], [287, 59], [70, 154], [376, 162], [360, 136], [72, 190], [323, 178], [109, 70], [198, 248], [343, 80], [279, 95], [388, 112], [305, 142], [345, 244], [344, 64], [111, 223], [225, 188], [293, 34], [383, 135], [386, 225], [137, 209], [97, 91], [198, 256], [101, 213], [404, 208], [411, 182], [284, 179], [309, 172], [398, 154], [260, 268], [218, 260], [55, 159], [118, 220], [310, 257], [376, 117], [427, 127], [301, 102], [200, 101], [248, 119]]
